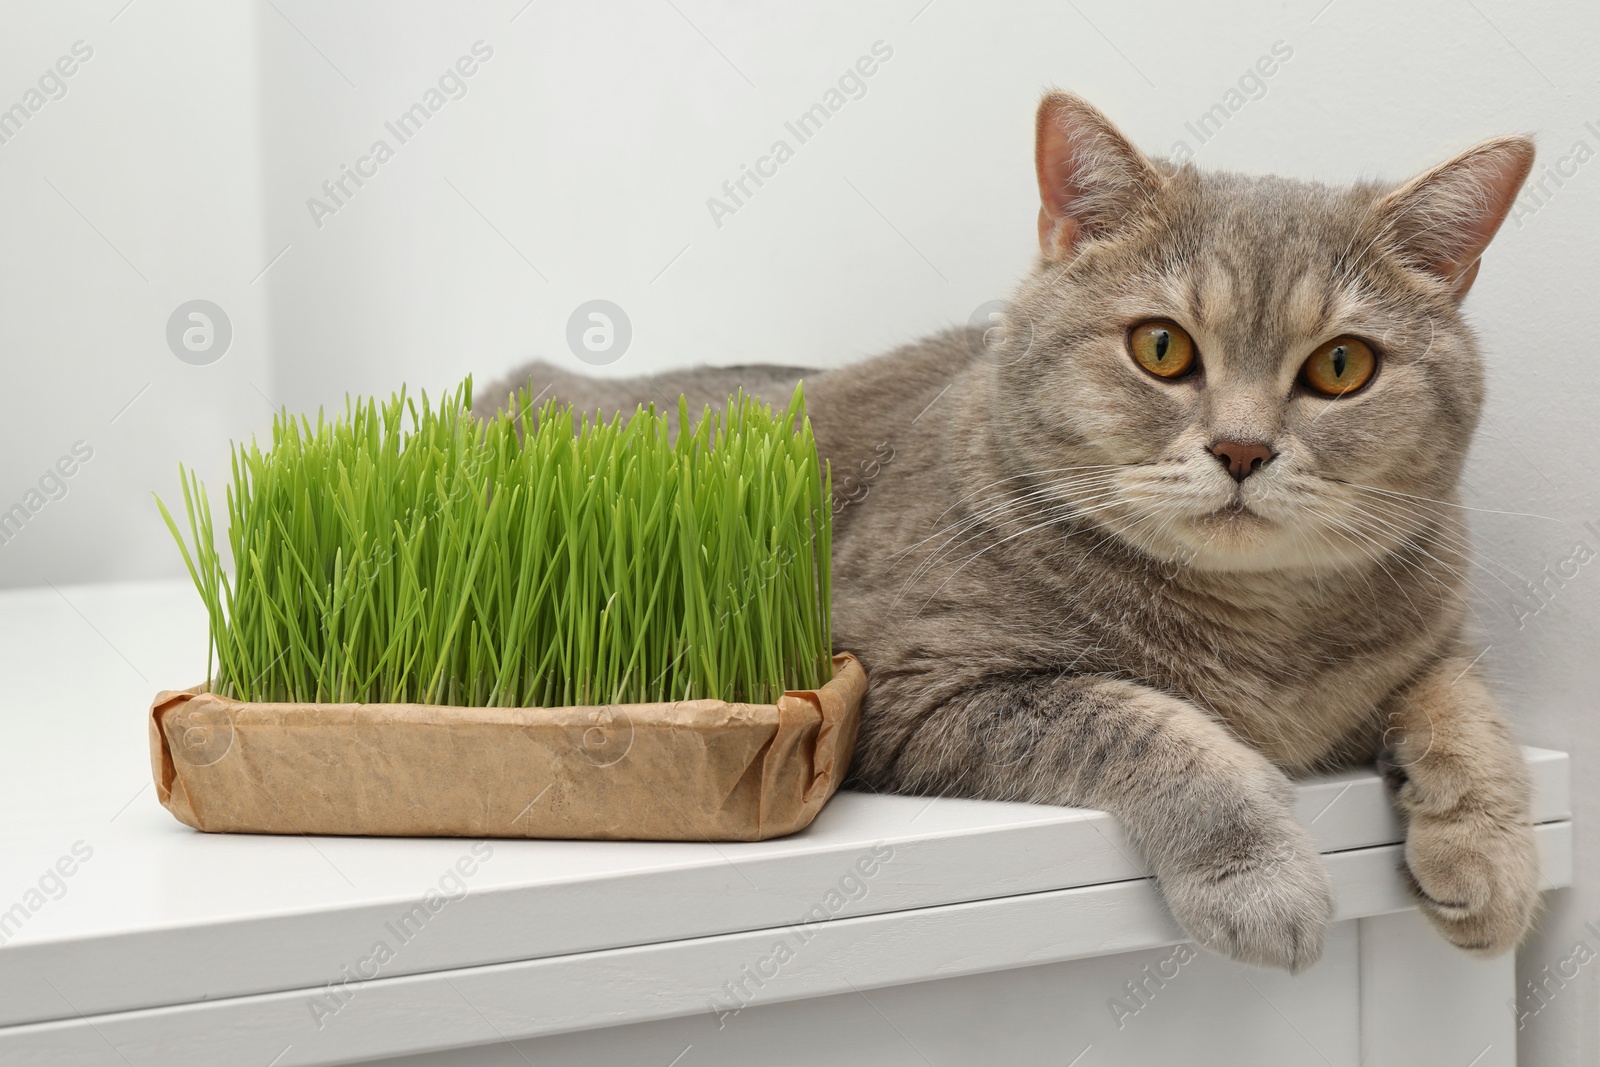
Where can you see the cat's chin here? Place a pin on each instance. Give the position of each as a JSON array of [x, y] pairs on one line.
[[1240, 538], [1236, 538]]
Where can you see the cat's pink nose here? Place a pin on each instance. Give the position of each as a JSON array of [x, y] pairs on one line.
[[1242, 458]]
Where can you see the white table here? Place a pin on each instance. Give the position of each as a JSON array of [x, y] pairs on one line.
[[955, 932]]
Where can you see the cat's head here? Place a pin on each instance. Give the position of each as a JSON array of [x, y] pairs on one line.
[[1246, 373]]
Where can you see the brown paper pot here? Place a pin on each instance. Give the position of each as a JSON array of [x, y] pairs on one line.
[[697, 770]]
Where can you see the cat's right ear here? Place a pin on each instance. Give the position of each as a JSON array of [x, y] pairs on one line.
[[1091, 178]]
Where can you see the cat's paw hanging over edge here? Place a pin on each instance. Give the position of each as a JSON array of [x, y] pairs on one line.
[[1476, 878], [1271, 911]]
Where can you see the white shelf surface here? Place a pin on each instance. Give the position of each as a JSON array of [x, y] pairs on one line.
[[174, 947]]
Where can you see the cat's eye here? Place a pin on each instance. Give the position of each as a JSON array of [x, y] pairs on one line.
[[1341, 366], [1162, 348]]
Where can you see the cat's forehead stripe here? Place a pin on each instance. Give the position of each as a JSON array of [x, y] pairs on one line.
[[1296, 301], [1214, 290], [1306, 304]]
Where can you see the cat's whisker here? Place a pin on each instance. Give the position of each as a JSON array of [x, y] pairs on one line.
[[978, 516], [961, 534], [993, 511], [967, 562], [1027, 474], [1363, 542], [1463, 550], [1055, 511], [1434, 525], [1446, 503], [1395, 556], [1415, 519]]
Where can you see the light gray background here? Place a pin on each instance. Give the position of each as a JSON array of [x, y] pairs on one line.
[[578, 165]]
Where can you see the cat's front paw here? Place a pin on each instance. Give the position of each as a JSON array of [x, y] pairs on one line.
[[1476, 878], [1269, 908]]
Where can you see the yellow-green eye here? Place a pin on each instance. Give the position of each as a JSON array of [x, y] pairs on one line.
[[1341, 366], [1162, 348]]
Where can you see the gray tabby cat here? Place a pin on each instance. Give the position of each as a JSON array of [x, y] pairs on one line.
[[1184, 527]]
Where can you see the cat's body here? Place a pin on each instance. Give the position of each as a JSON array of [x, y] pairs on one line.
[[1061, 597]]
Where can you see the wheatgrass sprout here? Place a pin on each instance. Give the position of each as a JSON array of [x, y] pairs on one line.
[[407, 552]]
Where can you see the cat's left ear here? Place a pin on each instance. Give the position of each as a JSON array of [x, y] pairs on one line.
[[1442, 221]]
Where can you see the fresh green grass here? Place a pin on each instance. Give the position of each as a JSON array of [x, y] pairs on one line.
[[409, 553]]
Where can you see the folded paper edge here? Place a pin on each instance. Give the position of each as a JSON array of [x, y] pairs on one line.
[[169, 787], [835, 709]]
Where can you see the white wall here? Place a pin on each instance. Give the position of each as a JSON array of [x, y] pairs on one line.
[[131, 194], [578, 166]]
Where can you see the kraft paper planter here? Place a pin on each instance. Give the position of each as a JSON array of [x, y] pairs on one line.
[[699, 770]]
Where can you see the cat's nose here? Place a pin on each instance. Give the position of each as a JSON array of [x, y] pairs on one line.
[[1243, 458]]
